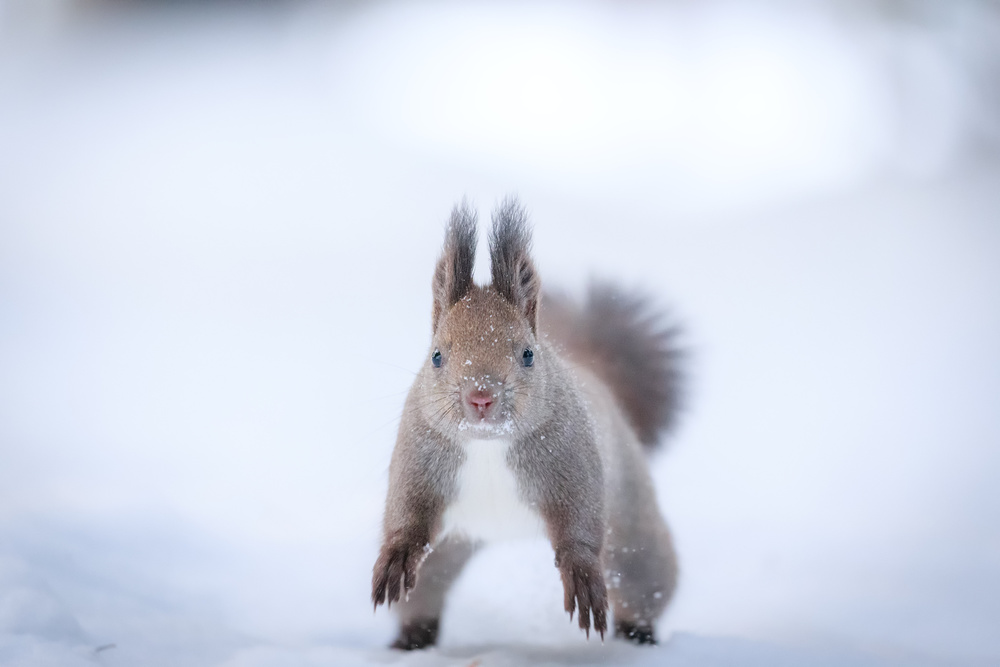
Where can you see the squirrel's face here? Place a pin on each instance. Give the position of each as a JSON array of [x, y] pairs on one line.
[[484, 369], [484, 376]]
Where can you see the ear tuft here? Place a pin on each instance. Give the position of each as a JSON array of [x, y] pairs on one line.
[[453, 275], [514, 274]]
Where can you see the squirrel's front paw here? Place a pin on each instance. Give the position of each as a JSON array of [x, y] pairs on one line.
[[395, 571], [583, 585]]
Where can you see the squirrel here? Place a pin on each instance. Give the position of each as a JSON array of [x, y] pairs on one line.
[[531, 415]]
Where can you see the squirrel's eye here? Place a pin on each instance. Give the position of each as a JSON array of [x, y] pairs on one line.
[[528, 357], [436, 358]]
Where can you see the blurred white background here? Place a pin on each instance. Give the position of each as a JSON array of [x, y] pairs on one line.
[[218, 223]]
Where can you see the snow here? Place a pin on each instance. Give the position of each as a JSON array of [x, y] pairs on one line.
[[217, 235]]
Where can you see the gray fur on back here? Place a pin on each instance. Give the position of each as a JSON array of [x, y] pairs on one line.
[[629, 345]]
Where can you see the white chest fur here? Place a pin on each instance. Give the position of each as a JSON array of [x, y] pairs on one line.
[[487, 506]]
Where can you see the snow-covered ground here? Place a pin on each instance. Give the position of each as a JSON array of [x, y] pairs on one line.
[[217, 230]]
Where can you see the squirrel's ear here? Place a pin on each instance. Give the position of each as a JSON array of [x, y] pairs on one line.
[[514, 275], [453, 275]]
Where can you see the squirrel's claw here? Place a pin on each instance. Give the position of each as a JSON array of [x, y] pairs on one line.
[[394, 574], [584, 588]]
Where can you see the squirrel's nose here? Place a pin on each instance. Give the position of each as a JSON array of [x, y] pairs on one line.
[[480, 400]]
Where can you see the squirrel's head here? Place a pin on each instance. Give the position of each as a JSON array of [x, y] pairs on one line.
[[484, 373]]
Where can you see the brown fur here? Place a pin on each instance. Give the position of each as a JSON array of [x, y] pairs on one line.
[[588, 481]]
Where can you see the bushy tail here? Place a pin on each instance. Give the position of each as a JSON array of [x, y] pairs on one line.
[[629, 345]]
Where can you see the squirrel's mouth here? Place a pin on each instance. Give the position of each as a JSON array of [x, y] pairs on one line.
[[486, 426]]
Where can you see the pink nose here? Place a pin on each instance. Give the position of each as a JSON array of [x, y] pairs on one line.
[[480, 400]]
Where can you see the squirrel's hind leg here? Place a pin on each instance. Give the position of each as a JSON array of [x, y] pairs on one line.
[[641, 569], [637, 634], [420, 613]]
